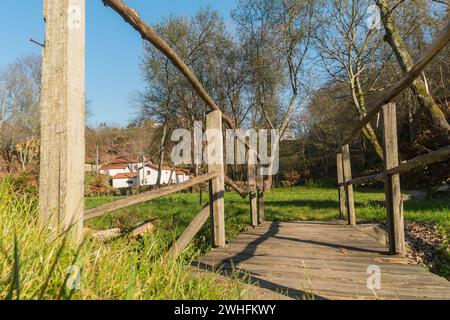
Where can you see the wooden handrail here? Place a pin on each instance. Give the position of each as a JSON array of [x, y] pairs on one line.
[[422, 160], [365, 179], [132, 17], [233, 185], [148, 196], [439, 155], [391, 93]]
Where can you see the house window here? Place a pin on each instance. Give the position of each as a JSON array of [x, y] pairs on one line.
[[149, 172]]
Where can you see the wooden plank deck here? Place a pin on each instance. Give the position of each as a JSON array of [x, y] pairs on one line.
[[305, 260]]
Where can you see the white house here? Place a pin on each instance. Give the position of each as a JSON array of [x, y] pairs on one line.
[[125, 180], [148, 175], [114, 169], [132, 164], [181, 176], [166, 175]]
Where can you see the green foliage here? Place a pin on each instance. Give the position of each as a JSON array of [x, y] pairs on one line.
[[36, 265]]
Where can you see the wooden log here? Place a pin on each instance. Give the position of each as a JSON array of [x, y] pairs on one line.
[[367, 179], [142, 229], [389, 94], [260, 191], [439, 155], [251, 177], [233, 185], [341, 187], [148, 196], [107, 235], [347, 171], [396, 228], [215, 160], [190, 232], [62, 105]]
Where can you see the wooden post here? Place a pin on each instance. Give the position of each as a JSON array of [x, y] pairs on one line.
[[61, 188], [341, 188], [347, 170], [215, 160], [260, 185], [395, 221], [251, 173]]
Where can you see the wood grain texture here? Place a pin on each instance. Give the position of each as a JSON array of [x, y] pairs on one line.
[[62, 106], [321, 260], [215, 160], [347, 171], [341, 188], [396, 228]]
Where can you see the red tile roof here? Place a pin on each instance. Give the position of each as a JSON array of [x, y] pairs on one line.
[[125, 176], [124, 161], [113, 166]]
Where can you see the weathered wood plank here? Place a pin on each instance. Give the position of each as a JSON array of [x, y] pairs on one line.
[[347, 171], [341, 188], [62, 107], [148, 196], [308, 257], [251, 177], [396, 228], [215, 160]]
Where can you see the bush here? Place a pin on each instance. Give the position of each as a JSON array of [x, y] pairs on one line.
[[292, 176]]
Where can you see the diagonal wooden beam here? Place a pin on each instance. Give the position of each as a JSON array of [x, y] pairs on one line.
[[132, 17], [389, 94]]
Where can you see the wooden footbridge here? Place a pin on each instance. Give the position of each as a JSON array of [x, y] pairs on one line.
[[297, 259]]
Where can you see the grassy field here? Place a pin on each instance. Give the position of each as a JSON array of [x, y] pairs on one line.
[[34, 265], [172, 214]]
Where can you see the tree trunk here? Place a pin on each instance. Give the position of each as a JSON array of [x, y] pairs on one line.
[[419, 88], [161, 155]]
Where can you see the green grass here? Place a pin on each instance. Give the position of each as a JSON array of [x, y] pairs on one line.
[[34, 265], [174, 213]]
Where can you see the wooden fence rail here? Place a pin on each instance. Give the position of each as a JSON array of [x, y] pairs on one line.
[[392, 168], [145, 197]]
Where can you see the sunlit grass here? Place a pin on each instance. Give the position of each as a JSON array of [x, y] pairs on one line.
[[35, 265]]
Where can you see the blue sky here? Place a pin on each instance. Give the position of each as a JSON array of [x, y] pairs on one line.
[[113, 48]]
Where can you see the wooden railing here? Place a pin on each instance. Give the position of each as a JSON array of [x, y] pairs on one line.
[[215, 209], [392, 168]]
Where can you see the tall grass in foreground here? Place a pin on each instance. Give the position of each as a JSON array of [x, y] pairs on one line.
[[33, 265]]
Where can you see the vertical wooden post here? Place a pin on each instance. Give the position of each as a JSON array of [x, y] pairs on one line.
[[61, 188], [251, 173], [260, 186], [396, 229], [215, 161], [341, 188], [347, 170]]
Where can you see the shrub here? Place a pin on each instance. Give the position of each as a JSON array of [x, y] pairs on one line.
[[292, 176]]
